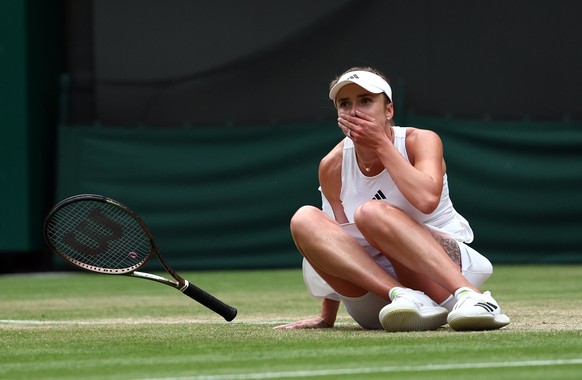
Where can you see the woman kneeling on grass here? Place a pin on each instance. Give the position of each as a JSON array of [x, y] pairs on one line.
[[388, 242]]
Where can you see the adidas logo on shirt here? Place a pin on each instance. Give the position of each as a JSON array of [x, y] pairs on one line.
[[379, 195]]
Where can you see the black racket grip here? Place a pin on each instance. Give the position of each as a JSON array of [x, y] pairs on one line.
[[226, 311]]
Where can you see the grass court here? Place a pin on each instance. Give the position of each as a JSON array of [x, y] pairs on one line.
[[87, 326]]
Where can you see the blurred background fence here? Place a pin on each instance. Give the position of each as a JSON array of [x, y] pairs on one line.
[[209, 118]]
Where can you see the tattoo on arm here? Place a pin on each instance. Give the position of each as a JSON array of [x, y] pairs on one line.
[[450, 246]]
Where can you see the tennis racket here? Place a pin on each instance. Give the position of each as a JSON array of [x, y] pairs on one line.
[[101, 235]]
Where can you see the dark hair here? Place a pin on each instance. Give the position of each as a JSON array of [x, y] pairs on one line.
[[363, 68]]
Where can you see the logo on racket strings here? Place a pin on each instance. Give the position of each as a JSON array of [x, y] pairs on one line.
[[98, 238]]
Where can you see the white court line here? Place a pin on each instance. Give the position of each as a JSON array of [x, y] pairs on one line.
[[130, 321], [48, 322], [361, 371]]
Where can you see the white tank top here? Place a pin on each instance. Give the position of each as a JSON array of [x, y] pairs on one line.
[[357, 188]]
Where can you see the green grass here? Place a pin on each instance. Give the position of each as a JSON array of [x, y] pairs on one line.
[[73, 326]]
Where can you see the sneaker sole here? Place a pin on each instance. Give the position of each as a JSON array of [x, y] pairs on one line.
[[477, 322], [408, 319]]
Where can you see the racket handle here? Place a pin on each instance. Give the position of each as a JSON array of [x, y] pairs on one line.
[[226, 311]]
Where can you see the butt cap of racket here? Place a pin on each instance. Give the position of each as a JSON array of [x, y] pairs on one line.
[[226, 311]]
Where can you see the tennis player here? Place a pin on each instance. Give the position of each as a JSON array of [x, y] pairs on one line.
[[388, 243]]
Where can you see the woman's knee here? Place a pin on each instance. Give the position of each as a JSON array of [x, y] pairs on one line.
[[303, 219], [370, 213]]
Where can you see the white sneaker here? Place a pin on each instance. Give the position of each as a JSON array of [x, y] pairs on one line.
[[474, 312], [411, 310]]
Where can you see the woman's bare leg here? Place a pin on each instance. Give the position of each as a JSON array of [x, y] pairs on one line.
[[411, 245], [350, 271], [337, 256]]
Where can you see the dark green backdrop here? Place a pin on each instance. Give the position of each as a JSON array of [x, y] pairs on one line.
[[222, 197], [519, 184], [213, 197], [29, 78]]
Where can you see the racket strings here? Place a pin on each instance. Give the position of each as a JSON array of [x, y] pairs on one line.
[[99, 236]]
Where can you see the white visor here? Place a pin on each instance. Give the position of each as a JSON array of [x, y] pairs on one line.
[[365, 79]]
